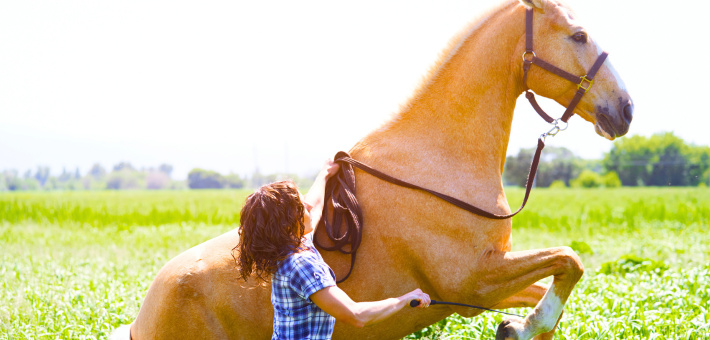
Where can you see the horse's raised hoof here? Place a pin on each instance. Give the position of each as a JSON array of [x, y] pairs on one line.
[[507, 330]]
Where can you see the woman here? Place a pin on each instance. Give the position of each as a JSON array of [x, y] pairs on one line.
[[276, 244]]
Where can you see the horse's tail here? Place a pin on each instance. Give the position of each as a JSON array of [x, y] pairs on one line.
[[121, 333]]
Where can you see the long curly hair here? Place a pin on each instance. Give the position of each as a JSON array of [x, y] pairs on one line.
[[271, 229]]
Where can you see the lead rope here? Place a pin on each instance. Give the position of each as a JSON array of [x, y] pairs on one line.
[[415, 303]]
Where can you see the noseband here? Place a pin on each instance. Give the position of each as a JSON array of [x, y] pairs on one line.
[[340, 189]]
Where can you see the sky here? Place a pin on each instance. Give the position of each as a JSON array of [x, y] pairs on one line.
[[280, 86]]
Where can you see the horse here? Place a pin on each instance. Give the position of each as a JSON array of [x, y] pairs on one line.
[[451, 136]]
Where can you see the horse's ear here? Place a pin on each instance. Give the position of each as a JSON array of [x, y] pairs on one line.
[[534, 3]]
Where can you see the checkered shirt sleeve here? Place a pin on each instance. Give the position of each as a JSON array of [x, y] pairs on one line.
[[295, 315]]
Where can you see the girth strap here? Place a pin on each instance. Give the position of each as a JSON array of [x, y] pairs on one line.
[[340, 192]]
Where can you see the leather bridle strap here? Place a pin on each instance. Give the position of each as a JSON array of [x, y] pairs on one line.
[[340, 190], [584, 83]]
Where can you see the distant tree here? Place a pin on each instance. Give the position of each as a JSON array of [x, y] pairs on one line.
[[556, 163], [157, 180], [611, 180], [65, 176], [12, 181], [205, 179], [166, 169], [258, 179], [178, 185], [591, 164], [42, 174], [123, 165], [73, 185], [558, 184], [699, 164], [591, 179], [305, 182], [26, 182], [233, 181], [77, 174], [587, 179], [29, 184], [97, 172], [124, 180], [124, 177], [660, 160], [89, 183], [517, 166], [51, 184]]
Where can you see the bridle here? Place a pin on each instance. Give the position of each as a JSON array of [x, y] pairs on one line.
[[340, 189], [584, 83]]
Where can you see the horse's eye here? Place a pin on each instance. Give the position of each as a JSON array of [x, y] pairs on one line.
[[580, 37]]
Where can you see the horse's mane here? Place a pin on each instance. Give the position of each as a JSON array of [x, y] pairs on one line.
[[455, 43], [444, 58]]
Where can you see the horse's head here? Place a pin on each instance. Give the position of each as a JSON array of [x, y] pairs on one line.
[[560, 39]]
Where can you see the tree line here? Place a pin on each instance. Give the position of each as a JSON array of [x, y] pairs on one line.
[[124, 176], [207, 179], [662, 159]]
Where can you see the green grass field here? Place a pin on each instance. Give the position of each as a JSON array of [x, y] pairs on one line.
[[75, 265]]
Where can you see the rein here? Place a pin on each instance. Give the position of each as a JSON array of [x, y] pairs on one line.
[[340, 189]]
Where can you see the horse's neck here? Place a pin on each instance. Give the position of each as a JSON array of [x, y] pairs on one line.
[[463, 113]]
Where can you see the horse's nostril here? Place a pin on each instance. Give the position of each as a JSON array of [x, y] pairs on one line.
[[628, 113]]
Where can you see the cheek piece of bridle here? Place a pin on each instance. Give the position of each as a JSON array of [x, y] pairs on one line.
[[340, 189]]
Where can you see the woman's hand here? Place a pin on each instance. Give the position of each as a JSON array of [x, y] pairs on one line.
[[330, 168], [418, 295], [314, 199]]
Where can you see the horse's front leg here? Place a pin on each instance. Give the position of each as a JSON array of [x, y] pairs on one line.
[[508, 273], [529, 297]]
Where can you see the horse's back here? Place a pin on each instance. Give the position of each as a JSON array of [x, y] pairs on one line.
[[198, 295]]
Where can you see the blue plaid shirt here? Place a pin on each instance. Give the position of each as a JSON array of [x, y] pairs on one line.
[[296, 317]]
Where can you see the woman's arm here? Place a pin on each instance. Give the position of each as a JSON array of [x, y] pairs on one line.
[[317, 191], [337, 303]]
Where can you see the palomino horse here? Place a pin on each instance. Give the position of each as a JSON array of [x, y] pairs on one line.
[[452, 137]]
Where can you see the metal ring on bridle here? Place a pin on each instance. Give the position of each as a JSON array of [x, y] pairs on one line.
[[557, 121], [555, 129], [528, 52]]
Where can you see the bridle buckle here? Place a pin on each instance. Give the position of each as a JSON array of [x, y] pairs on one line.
[[581, 83]]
